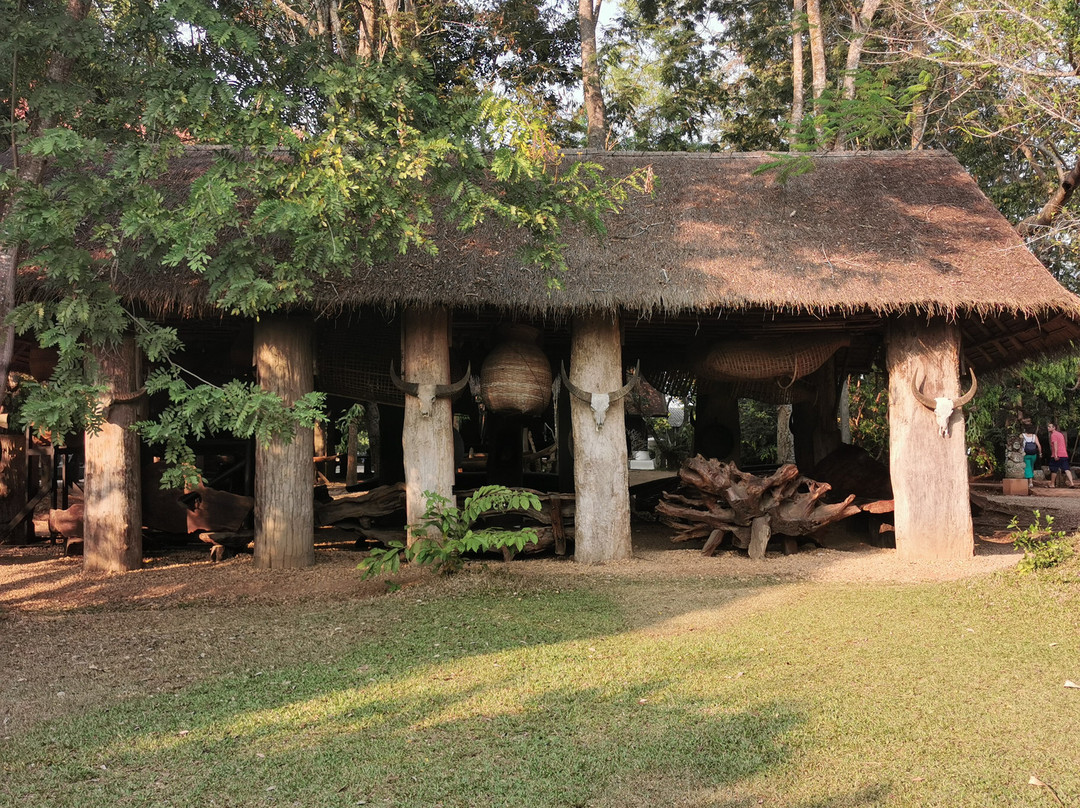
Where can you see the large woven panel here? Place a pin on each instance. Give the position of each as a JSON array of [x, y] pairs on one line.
[[354, 362], [750, 360]]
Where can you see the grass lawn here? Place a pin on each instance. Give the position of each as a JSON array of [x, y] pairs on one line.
[[495, 689]]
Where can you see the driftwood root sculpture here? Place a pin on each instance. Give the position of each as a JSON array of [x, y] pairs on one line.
[[718, 500]]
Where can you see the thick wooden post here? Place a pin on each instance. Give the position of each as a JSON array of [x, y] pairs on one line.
[[427, 439], [929, 472], [602, 516], [815, 425], [284, 499], [112, 541]]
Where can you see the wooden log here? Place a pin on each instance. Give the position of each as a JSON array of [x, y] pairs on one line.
[[929, 472], [602, 527], [226, 543], [284, 506], [714, 542], [381, 501], [113, 498], [559, 534], [67, 523], [760, 531]]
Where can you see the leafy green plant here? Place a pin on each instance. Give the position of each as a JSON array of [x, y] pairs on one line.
[[457, 531], [673, 445], [1043, 546]]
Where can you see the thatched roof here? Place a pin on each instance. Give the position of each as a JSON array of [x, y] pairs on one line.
[[883, 232], [860, 237]]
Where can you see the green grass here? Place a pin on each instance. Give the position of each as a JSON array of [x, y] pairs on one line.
[[498, 691]]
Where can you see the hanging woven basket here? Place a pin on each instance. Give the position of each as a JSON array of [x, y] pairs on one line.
[[784, 359], [515, 378]]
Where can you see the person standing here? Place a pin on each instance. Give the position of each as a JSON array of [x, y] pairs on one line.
[[1032, 453], [1059, 454]]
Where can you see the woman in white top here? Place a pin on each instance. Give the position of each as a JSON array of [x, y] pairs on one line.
[[1032, 452]]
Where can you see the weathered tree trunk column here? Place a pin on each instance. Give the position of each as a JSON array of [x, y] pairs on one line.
[[112, 538], [284, 500], [427, 438], [816, 427], [602, 516], [929, 472]]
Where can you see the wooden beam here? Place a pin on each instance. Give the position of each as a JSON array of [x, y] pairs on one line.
[[929, 472]]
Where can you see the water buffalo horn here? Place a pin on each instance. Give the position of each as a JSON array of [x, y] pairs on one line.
[[449, 390], [409, 388], [970, 394]]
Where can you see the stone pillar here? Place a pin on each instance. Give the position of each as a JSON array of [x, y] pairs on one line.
[[427, 438], [602, 516], [112, 538], [284, 499], [929, 472]]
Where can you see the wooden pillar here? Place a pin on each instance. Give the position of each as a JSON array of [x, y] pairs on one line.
[[716, 422], [284, 500], [112, 538], [815, 425], [602, 516], [427, 439], [929, 472]]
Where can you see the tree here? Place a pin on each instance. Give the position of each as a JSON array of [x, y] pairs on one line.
[[337, 158], [588, 13]]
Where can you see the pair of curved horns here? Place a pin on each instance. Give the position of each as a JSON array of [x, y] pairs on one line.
[[577, 392], [930, 403], [441, 390]]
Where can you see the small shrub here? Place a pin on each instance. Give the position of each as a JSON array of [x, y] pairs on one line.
[[1043, 546], [458, 532]]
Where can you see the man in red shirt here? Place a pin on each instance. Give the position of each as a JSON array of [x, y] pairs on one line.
[[1059, 454]]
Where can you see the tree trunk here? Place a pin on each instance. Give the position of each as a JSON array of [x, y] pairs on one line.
[[373, 418], [350, 455], [844, 413], [929, 472], [427, 439], [816, 32], [798, 17], [785, 441], [113, 493], [602, 531], [284, 501], [1054, 205], [590, 75], [860, 30]]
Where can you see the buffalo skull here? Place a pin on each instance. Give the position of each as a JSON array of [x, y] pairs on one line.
[[427, 393], [943, 408], [599, 402]]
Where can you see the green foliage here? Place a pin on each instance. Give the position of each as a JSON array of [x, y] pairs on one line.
[[757, 431], [868, 396], [323, 167], [1043, 546], [353, 415], [456, 531], [673, 445]]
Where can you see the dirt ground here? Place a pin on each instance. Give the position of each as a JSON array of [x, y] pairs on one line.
[[72, 641], [38, 578]]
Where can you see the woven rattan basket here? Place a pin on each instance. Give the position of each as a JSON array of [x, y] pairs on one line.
[[516, 376], [790, 359]]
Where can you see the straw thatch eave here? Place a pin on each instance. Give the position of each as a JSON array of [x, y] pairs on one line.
[[863, 234]]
